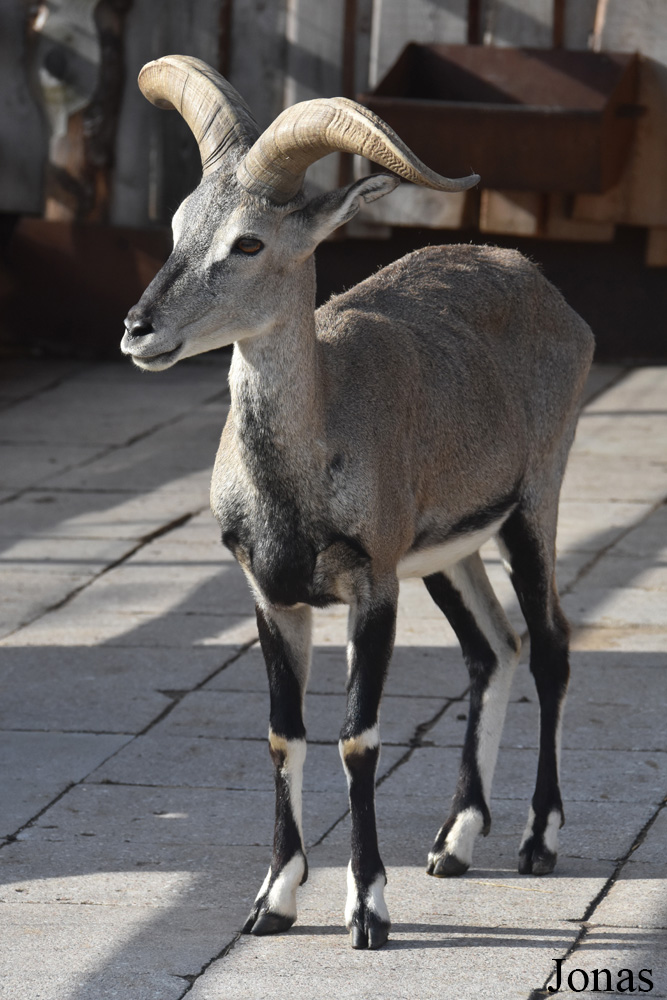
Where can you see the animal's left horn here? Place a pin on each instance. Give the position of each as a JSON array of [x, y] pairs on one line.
[[217, 115], [275, 166]]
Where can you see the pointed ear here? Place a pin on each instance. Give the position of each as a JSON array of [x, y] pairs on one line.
[[329, 211]]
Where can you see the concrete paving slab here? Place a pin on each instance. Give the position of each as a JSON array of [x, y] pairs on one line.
[[86, 556], [176, 548], [69, 514], [173, 850], [494, 897], [587, 776], [622, 571], [589, 526], [647, 539], [587, 726], [89, 871], [602, 433], [417, 671], [201, 528], [178, 457], [600, 676], [204, 369], [601, 378], [179, 761], [649, 641], [624, 948], [653, 849], [76, 410], [110, 690], [423, 958], [594, 831], [70, 626], [29, 465], [112, 950], [611, 607], [143, 585], [25, 596], [588, 722], [630, 479], [637, 899], [417, 623], [244, 715], [114, 815], [37, 767], [641, 390], [27, 376]]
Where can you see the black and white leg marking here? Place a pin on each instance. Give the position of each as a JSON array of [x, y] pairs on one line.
[[285, 640], [529, 541], [372, 628], [491, 651]]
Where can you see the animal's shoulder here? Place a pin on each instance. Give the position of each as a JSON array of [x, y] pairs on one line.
[[443, 268], [444, 282]]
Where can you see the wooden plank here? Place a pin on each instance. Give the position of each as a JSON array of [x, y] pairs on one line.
[[560, 225], [397, 22], [412, 205], [314, 33], [363, 46], [258, 56], [23, 131], [518, 213], [526, 23], [579, 23], [157, 161], [656, 247], [640, 26], [640, 198], [67, 56]]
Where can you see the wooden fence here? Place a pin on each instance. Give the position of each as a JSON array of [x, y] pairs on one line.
[[78, 142]]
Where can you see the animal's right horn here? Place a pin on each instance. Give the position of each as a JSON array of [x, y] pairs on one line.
[[276, 165], [217, 115]]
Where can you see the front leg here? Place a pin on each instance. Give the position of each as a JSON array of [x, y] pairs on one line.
[[285, 641], [372, 628]]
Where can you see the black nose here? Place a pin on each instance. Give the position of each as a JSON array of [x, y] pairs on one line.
[[138, 325]]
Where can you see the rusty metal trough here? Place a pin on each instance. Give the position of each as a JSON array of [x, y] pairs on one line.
[[525, 119]]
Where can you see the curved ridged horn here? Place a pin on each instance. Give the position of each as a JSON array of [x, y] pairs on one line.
[[217, 115], [275, 166]]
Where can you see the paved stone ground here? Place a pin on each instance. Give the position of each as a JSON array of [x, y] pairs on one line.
[[136, 799]]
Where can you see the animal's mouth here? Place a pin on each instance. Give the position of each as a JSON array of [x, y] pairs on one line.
[[156, 362]]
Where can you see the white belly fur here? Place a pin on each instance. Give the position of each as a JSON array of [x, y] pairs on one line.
[[439, 557]]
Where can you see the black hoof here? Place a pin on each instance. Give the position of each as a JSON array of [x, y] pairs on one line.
[[537, 862], [368, 931], [446, 866], [268, 923]]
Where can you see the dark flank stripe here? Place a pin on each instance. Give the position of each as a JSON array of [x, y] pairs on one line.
[[476, 521]]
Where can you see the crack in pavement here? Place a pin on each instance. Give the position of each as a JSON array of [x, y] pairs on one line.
[[584, 921]]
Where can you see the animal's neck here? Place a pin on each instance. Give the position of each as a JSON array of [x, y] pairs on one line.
[[275, 393]]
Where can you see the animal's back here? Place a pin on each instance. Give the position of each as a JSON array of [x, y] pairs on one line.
[[480, 328]]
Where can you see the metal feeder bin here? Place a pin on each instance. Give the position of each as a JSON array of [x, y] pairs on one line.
[[524, 119]]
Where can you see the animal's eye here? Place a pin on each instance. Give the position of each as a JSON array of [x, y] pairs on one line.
[[249, 245]]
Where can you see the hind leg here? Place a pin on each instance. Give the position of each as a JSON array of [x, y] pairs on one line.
[[529, 539], [491, 651]]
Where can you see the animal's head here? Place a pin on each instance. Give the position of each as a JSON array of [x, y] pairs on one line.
[[242, 237]]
